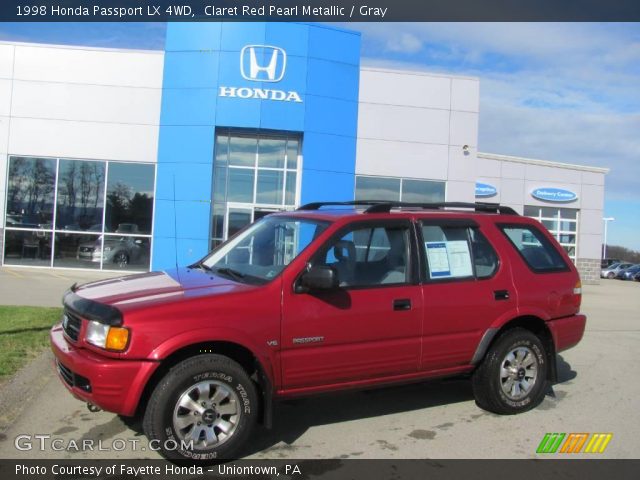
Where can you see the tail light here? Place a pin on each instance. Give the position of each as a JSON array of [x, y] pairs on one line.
[[577, 294]]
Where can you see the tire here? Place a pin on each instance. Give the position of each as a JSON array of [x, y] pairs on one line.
[[175, 408], [611, 275], [121, 259], [503, 391]]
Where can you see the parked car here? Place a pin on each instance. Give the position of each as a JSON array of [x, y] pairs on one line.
[[613, 270], [118, 250], [608, 262], [319, 300], [628, 273], [636, 277]]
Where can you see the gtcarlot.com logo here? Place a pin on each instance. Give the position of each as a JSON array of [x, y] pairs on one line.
[[574, 443]]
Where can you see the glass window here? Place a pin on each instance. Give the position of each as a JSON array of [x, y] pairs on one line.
[[531, 211], [377, 188], [30, 192], [291, 187], [269, 189], [271, 152], [485, 258], [369, 257], [422, 191], [129, 198], [263, 250], [80, 195], [242, 151], [28, 248], [534, 248], [240, 185], [222, 150], [238, 219], [121, 252], [219, 184], [292, 153], [447, 252], [77, 250]]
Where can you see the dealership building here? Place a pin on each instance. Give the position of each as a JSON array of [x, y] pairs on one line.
[[135, 160]]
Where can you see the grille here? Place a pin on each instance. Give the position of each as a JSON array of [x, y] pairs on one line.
[[73, 379], [71, 325], [66, 374]]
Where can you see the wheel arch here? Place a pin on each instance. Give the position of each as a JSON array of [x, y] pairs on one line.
[[532, 323], [233, 350]]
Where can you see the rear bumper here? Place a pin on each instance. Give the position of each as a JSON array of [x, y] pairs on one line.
[[112, 384], [567, 331]]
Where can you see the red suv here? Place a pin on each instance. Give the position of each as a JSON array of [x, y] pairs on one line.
[[353, 296]]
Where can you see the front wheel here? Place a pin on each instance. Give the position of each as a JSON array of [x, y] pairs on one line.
[[203, 409], [513, 375], [611, 275]]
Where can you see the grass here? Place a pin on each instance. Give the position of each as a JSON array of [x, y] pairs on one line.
[[24, 334]]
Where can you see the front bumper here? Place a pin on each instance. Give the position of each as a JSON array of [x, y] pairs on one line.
[[567, 331], [112, 384]]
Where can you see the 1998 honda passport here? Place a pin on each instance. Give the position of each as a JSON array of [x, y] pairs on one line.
[[324, 299]]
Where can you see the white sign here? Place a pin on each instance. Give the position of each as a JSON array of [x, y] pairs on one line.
[[450, 259], [262, 63], [274, 68]]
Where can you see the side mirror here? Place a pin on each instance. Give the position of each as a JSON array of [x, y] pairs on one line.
[[320, 277]]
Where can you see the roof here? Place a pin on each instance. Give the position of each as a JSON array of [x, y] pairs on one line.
[[544, 163]]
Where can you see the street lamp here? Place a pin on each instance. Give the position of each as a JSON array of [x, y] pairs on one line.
[[606, 223]]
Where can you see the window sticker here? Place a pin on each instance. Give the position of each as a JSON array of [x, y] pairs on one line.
[[450, 259], [438, 259], [459, 258]]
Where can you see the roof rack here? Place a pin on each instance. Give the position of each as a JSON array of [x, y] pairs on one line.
[[382, 206]]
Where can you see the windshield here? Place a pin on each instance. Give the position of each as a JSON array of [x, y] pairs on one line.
[[264, 249]]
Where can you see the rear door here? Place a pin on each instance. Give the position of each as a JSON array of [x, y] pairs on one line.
[[466, 287], [369, 327]]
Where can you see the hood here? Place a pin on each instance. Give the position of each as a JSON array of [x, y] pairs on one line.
[[168, 285]]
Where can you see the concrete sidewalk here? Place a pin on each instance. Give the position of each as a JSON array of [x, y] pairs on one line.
[[42, 287]]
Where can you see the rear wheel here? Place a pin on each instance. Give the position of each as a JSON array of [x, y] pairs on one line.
[[513, 375], [203, 409]]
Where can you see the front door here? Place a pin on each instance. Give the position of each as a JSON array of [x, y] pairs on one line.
[[369, 327]]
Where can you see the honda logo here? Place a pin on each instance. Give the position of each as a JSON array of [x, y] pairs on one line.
[[262, 63]]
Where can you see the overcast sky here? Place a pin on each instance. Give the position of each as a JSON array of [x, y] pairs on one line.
[[553, 91]]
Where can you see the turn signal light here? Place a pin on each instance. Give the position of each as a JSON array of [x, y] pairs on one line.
[[117, 338], [577, 293]]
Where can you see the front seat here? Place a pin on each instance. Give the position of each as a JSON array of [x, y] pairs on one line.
[[345, 253]]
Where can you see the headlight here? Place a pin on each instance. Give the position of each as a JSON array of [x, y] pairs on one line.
[[106, 336]]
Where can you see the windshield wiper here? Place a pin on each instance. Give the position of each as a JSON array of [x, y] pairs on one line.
[[230, 272], [201, 266]]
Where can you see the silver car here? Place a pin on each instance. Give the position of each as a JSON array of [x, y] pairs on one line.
[[613, 270]]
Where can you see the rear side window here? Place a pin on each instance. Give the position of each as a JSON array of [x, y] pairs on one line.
[[458, 253], [536, 250]]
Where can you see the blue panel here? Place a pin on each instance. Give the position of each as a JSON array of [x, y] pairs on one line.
[[314, 186], [193, 219], [193, 36], [238, 112], [189, 106], [330, 115], [186, 144], [331, 79], [288, 116], [190, 69], [329, 152], [295, 77], [191, 250], [333, 44], [164, 253], [236, 35], [293, 37], [164, 219], [192, 181]]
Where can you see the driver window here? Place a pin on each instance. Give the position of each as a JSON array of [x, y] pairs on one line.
[[368, 257]]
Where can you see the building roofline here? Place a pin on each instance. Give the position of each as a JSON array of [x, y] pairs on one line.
[[79, 47], [544, 163], [422, 73]]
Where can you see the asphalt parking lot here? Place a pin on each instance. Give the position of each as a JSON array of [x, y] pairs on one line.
[[598, 392]]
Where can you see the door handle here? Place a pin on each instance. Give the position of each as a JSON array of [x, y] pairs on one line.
[[402, 304], [501, 294]]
